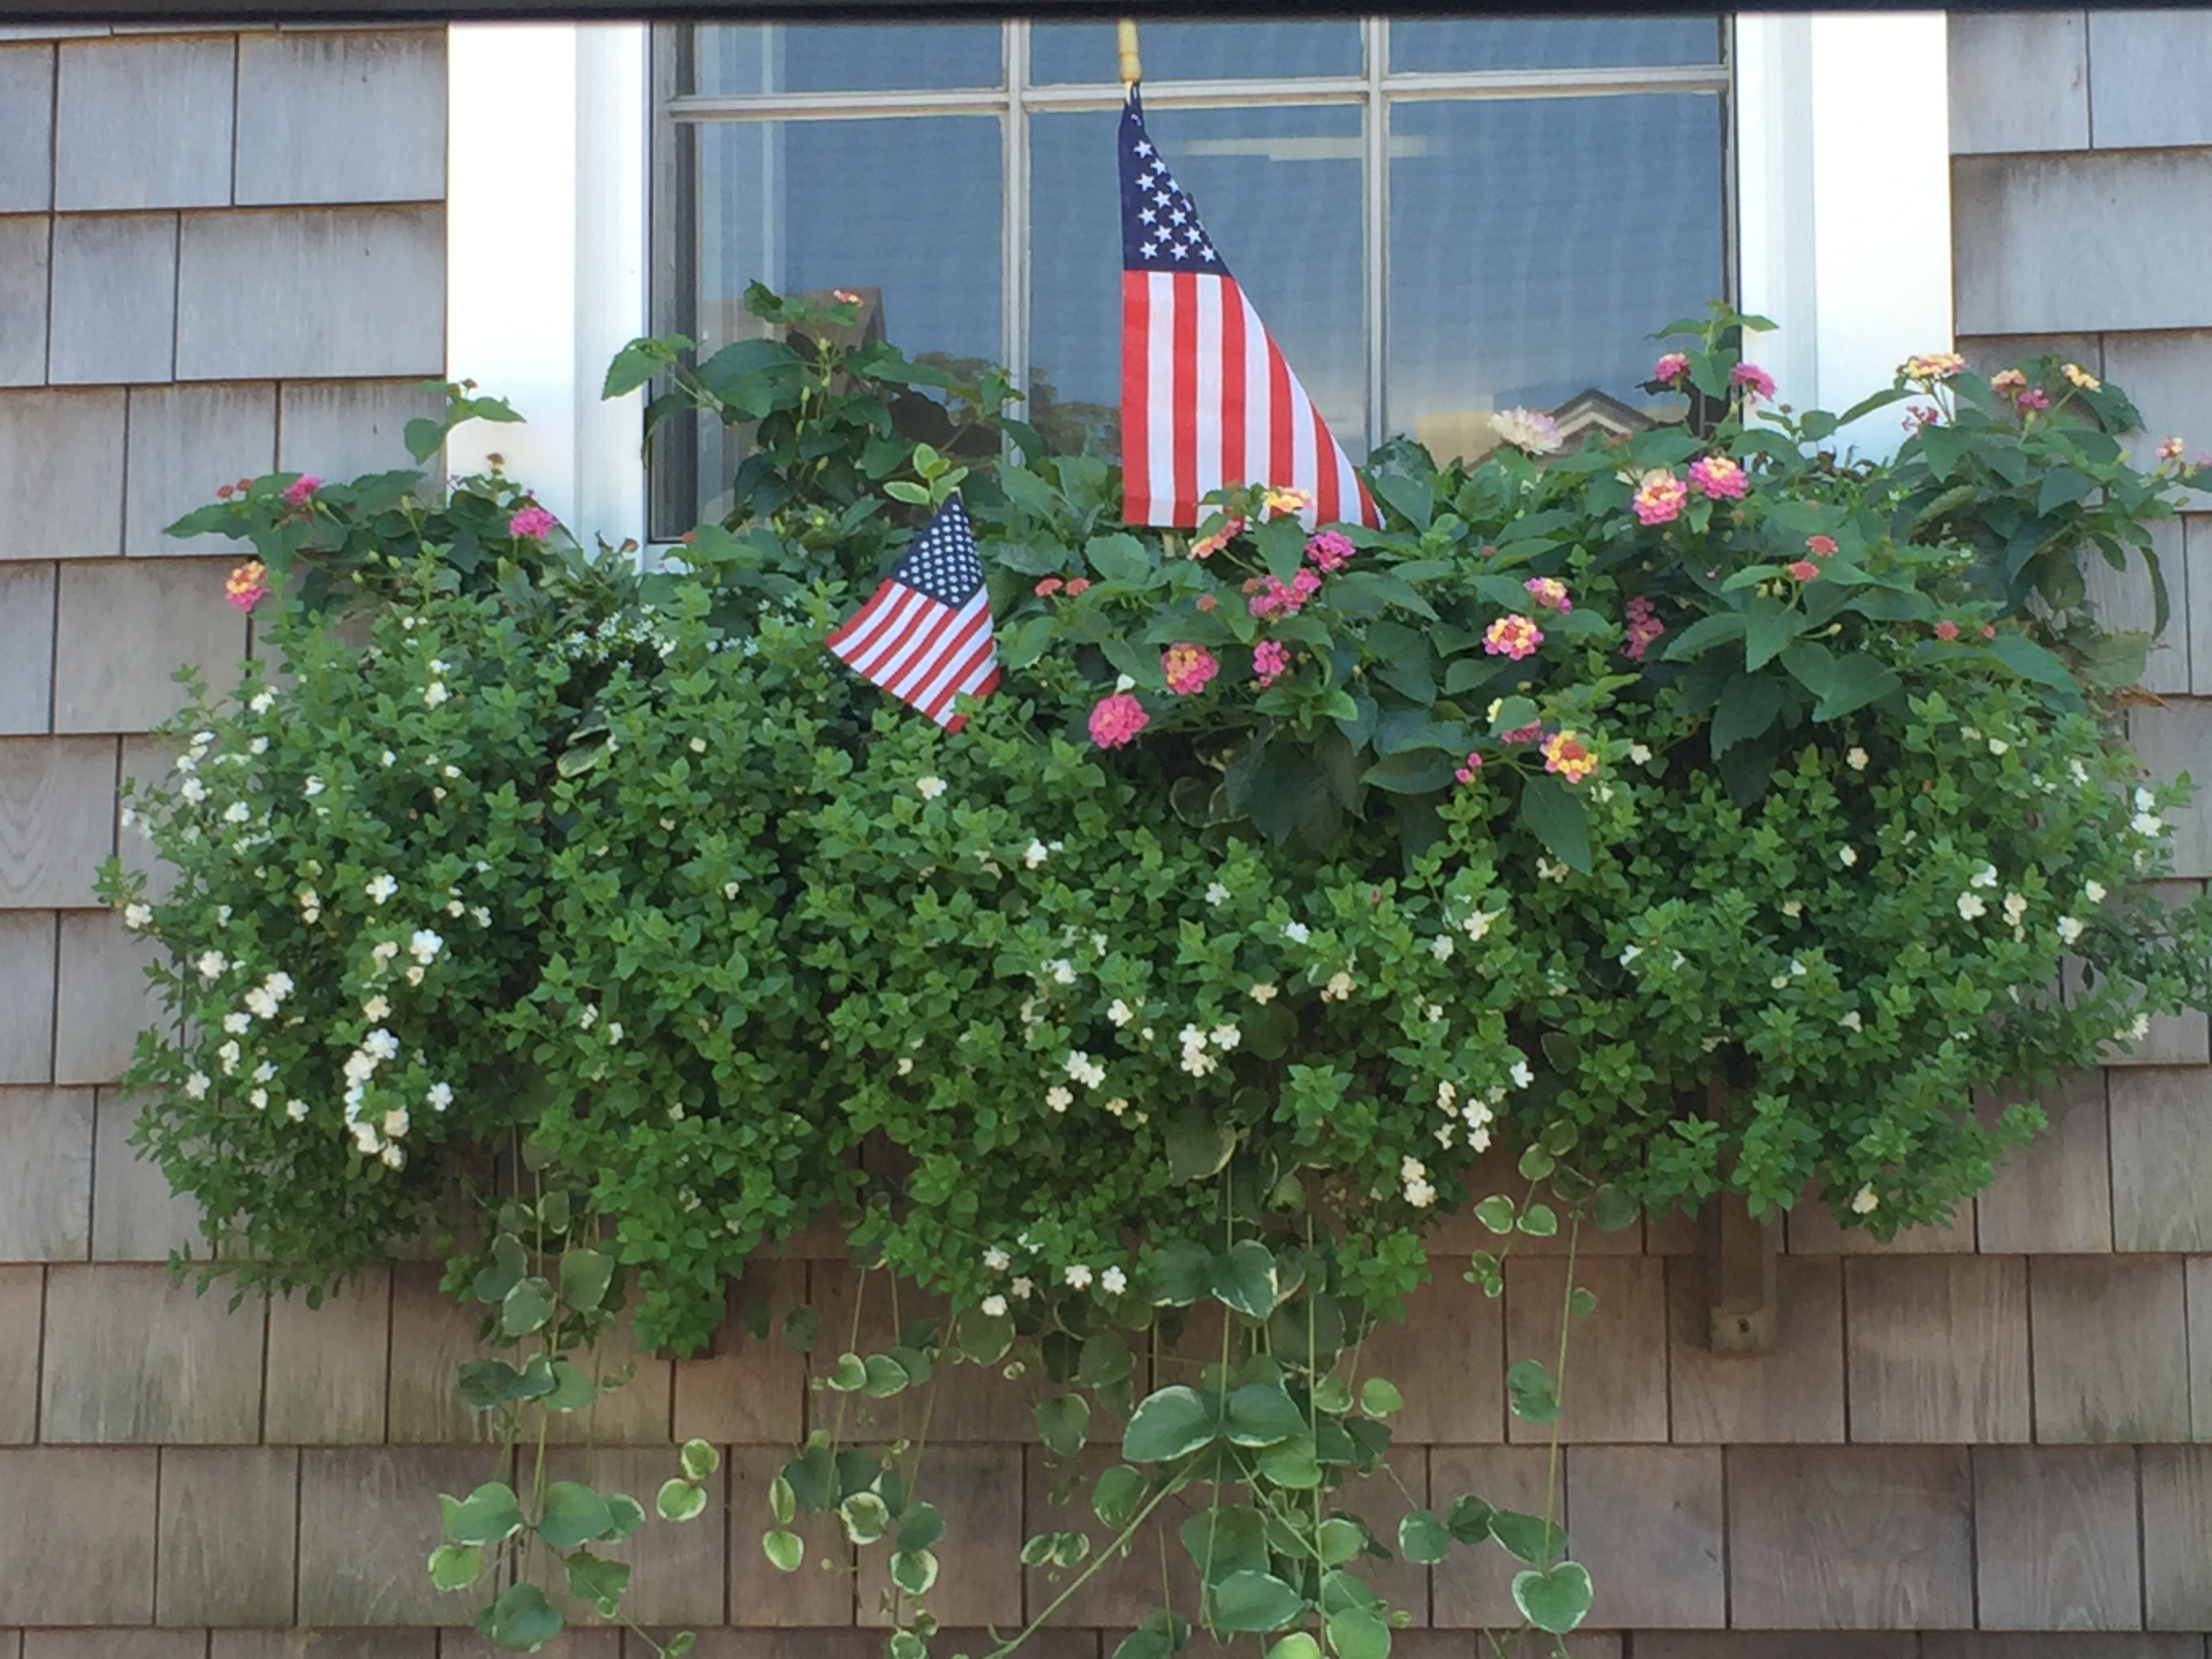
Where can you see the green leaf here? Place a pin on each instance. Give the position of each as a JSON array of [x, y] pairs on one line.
[[849, 1375], [1198, 1146], [1769, 626], [1555, 1600], [1528, 1538], [628, 1516], [1063, 1423], [485, 1383], [508, 1264], [1412, 772], [1292, 1463], [638, 362], [1168, 1424], [1748, 704], [914, 493], [913, 1571], [573, 1389], [787, 1551], [1243, 1278], [1260, 1414], [1422, 1537], [456, 1566], [1379, 1397], [1115, 1498], [1704, 634], [884, 1376], [1358, 1633], [2030, 661], [800, 1326], [1106, 1360], [1613, 1209], [1581, 1300], [679, 1500], [699, 1459], [1337, 1541], [1858, 679], [1296, 1645], [526, 1307], [573, 1515], [1186, 1273], [585, 1277], [489, 1515], [1558, 818], [522, 1620], [1468, 1519], [865, 1516], [905, 1644], [1495, 1212], [920, 1527], [1254, 1601], [599, 1580], [1539, 1221], [1532, 1398]]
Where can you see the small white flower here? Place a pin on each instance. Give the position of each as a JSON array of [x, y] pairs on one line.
[[1847, 856], [386, 758], [455, 908], [2093, 891], [1855, 759], [2069, 930], [382, 953], [1216, 893], [295, 1109], [1338, 990], [1638, 753], [1478, 922], [1225, 1037], [1123, 683], [1058, 1099], [994, 1306], [1551, 871], [1998, 746], [237, 812], [1971, 907], [424, 946], [135, 916], [1420, 1194], [905, 1067], [439, 1095], [261, 700], [396, 1122], [260, 1005], [1434, 1013], [193, 791], [1116, 1106], [481, 915], [1852, 1021], [1970, 733], [1793, 909], [449, 771], [2149, 825], [1035, 853], [997, 1260], [1061, 971], [1628, 953], [392, 1157], [229, 1053], [1297, 931], [1521, 1076], [380, 887], [264, 1071], [1864, 1202], [210, 965], [2015, 907], [380, 1044], [614, 1030], [1077, 1276], [1447, 1094], [435, 693], [1198, 1062], [2140, 1029], [1120, 1013], [929, 788], [196, 1086], [313, 787], [1114, 1281], [1985, 877], [1440, 947]]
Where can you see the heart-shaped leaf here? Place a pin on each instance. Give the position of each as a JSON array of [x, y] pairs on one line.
[[1556, 1599], [785, 1550]]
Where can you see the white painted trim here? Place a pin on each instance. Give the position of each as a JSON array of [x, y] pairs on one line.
[[545, 257], [1843, 191]]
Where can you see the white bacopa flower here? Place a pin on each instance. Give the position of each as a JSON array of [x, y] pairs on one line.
[[994, 1306], [1120, 1013], [2140, 1029], [380, 887], [392, 1157], [1440, 947], [997, 1260], [1410, 1169], [1447, 1094], [1847, 856], [1019, 1288], [1793, 909], [1521, 1076], [424, 946], [359, 1067], [313, 787], [1225, 1037], [439, 1095], [1851, 1021], [1035, 853], [295, 1109], [1058, 1099], [1198, 1062], [1263, 994], [2093, 891], [1628, 953], [1971, 908], [264, 1071], [1434, 1013], [229, 1053], [1419, 1194], [1061, 971], [1971, 734], [1297, 931], [1856, 758], [210, 965], [1077, 1276], [261, 700], [382, 953], [1123, 683], [1478, 922], [1338, 990], [929, 788], [1864, 1201], [1985, 877], [1114, 1281], [614, 1030], [260, 1003], [435, 693], [364, 1137], [2015, 907], [237, 812], [196, 1086], [481, 915], [1998, 746], [1116, 1106], [1550, 871], [2149, 824], [455, 908], [1638, 753], [387, 758], [396, 1122], [1216, 893], [2069, 930], [905, 1067], [193, 791], [135, 916], [380, 1044]]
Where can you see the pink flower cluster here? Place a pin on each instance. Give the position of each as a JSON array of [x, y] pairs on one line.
[[1672, 366], [1274, 597], [1549, 593], [1660, 496], [1330, 551], [1528, 733], [1207, 546], [1188, 668], [1717, 476], [1756, 382], [1569, 756], [297, 492], [247, 585], [1466, 774], [1513, 636], [1643, 628], [532, 522], [1271, 659], [1116, 720]]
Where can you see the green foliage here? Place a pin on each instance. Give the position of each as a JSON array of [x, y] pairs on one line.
[[1702, 812]]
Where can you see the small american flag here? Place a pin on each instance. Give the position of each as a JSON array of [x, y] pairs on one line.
[[1207, 396], [925, 634]]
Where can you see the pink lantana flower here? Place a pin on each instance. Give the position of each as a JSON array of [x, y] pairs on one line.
[[1466, 774], [1286, 500], [1660, 496], [1528, 733], [2171, 449], [1330, 551], [247, 585], [1933, 366], [1549, 593], [1513, 636], [1947, 629], [1207, 546], [533, 522], [1821, 546], [1116, 720], [2033, 398], [1270, 660], [1672, 366], [1755, 380], [297, 492], [1569, 756], [1188, 668], [1717, 476], [1804, 570], [2007, 382], [1643, 628]]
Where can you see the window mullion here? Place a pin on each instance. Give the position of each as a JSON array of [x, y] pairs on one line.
[[1375, 227], [1015, 209]]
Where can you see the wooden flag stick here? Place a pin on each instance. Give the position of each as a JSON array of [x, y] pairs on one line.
[[1125, 37]]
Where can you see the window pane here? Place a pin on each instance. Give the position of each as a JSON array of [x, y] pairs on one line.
[[1280, 190], [733, 60], [1521, 273], [1482, 43], [808, 206], [1084, 53]]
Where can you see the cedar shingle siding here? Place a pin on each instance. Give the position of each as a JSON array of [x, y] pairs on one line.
[[220, 252]]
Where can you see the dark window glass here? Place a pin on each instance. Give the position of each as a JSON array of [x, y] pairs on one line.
[[1420, 44], [1084, 53], [730, 60]]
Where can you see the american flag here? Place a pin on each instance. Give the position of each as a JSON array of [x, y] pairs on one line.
[[925, 634], [1207, 396]]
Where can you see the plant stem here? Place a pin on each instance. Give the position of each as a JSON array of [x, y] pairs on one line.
[[1559, 1380], [1083, 1577]]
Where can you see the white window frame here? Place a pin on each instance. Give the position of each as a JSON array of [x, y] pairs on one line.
[[1842, 225]]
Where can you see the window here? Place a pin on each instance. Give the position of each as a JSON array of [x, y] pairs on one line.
[[1437, 217]]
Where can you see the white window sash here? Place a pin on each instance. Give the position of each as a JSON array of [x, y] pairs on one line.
[[1842, 229]]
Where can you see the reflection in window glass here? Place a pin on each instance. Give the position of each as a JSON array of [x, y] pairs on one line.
[[730, 60], [1522, 274], [1425, 44], [1279, 189], [813, 206], [1084, 53]]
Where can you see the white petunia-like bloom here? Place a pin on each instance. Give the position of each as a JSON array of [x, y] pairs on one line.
[[1019, 1289], [1058, 1099], [1440, 947], [1035, 853], [135, 916], [1120, 1013], [313, 787], [1628, 953], [1077, 1276], [264, 1071], [1851, 1021], [2093, 891], [382, 953], [997, 1260], [1998, 746], [1297, 931], [1081, 1068], [2015, 907], [1985, 877], [1061, 971], [439, 1095], [1847, 856], [1114, 1281], [1225, 1037], [1864, 1201], [263, 700], [196, 1086], [376, 1008], [1446, 1095], [2069, 930], [381, 1043], [994, 1306], [1434, 1013], [614, 1030], [1263, 994], [1638, 753], [229, 1053], [1856, 758], [392, 1157], [1528, 430], [380, 887], [396, 1122], [2149, 825], [905, 1067], [1548, 871], [424, 946], [260, 1003], [1477, 924], [1116, 1106], [1198, 1062], [1971, 908], [210, 965], [237, 812], [1123, 683], [311, 906], [482, 914], [435, 693], [929, 788], [192, 790], [1521, 1076], [1339, 989], [295, 1109], [387, 758]]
